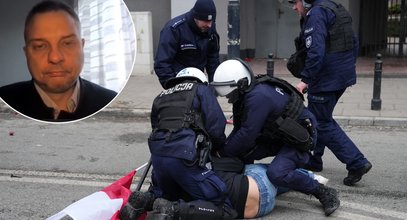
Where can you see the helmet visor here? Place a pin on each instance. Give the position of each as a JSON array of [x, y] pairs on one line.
[[224, 88]]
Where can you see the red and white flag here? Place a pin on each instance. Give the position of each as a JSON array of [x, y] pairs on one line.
[[102, 205]]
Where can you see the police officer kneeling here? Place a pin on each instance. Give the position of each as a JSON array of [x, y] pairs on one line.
[[270, 119], [187, 120]]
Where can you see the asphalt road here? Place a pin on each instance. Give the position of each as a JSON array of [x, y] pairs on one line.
[[46, 167]]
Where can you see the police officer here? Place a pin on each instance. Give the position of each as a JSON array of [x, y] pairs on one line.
[[331, 51], [187, 121], [270, 120], [188, 40]]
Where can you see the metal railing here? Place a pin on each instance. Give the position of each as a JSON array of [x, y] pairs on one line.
[[388, 35]]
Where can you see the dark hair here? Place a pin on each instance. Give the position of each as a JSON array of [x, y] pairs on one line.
[[48, 6]]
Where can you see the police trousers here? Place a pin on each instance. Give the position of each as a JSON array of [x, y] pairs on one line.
[[330, 134], [175, 178], [282, 171]]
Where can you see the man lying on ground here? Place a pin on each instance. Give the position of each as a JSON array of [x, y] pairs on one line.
[[250, 192]]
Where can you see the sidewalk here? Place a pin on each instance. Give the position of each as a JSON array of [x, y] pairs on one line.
[[354, 107]]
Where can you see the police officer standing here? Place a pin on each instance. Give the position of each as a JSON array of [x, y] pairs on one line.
[[188, 40], [330, 67], [270, 119]]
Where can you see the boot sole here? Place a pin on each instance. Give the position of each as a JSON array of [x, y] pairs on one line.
[[333, 209], [353, 181]]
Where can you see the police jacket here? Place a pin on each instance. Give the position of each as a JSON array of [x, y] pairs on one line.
[[183, 45], [330, 64], [262, 102], [24, 98], [180, 143]]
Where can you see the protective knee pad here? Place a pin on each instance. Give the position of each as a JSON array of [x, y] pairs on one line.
[[204, 210]]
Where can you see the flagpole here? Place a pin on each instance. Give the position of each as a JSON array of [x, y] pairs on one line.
[[143, 177], [141, 167]]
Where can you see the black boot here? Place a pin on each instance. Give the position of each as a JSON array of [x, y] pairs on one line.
[[328, 198], [138, 203], [163, 210], [197, 210], [355, 176]]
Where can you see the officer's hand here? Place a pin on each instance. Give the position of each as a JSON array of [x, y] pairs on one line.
[[302, 87]]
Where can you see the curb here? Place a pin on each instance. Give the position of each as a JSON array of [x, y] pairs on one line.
[[124, 113], [358, 75], [342, 120], [371, 121], [144, 114]]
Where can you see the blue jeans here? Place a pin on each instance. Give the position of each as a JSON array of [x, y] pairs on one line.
[[267, 191]]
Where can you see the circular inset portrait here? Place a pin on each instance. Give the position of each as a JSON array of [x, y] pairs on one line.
[[66, 59]]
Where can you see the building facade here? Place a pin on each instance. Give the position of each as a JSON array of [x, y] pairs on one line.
[[270, 26], [266, 26]]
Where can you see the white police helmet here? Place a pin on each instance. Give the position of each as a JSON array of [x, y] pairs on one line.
[[192, 72], [187, 73], [228, 74], [306, 3]]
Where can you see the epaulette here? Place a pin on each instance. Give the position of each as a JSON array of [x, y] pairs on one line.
[[177, 23]]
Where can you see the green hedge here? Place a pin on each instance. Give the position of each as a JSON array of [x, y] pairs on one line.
[[395, 9], [393, 28]]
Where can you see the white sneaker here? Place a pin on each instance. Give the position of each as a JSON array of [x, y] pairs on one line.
[[321, 179]]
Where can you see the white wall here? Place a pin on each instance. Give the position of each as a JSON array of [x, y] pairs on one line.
[[247, 24], [181, 6], [277, 25], [144, 35]]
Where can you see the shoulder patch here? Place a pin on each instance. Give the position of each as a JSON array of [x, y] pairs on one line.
[[177, 23], [308, 42]]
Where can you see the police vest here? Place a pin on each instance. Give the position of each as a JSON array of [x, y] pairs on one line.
[[284, 128], [340, 33], [174, 108]]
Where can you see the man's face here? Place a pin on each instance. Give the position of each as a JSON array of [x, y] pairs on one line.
[[299, 7], [204, 26], [54, 51]]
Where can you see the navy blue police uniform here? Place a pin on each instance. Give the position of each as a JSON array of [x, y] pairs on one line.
[[183, 45], [332, 49], [176, 124], [251, 113]]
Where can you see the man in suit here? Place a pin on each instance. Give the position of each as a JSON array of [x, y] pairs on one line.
[[55, 57]]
